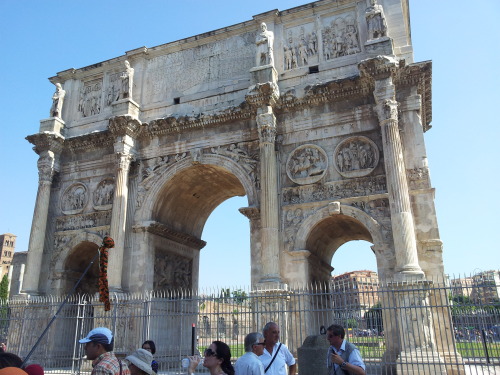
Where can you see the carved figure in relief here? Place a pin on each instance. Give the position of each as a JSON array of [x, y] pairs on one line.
[[74, 199], [340, 38], [264, 42], [355, 155], [306, 163], [313, 44], [299, 50], [288, 57], [351, 38], [89, 102], [127, 81], [303, 52], [375, 19], [104, 193], [57, 101]]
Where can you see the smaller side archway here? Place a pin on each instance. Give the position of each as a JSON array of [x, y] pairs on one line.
[[323, 232], [73, 260]]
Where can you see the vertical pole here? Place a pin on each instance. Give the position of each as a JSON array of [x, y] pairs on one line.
[[193, 338]]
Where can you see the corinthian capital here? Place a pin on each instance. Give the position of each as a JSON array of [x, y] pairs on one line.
[[266, 125], [387, 110], [124, 160], [46, 167]]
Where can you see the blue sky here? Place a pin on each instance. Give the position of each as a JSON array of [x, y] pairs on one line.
[[40, 38]]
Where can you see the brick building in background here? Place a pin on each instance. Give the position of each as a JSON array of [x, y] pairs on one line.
[[7, 249]]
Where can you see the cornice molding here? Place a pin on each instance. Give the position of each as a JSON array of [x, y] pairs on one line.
[[173, 124], [90, 141], [179, 237], [125, 125]]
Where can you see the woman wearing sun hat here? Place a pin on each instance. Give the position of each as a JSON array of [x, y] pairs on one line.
[[140, 362]]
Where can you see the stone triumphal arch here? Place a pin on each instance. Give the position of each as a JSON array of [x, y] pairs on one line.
[[316, 114]]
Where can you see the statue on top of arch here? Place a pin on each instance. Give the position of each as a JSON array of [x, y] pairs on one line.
[[375, 20]]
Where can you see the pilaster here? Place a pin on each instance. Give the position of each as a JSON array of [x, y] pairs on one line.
[[48, 146]]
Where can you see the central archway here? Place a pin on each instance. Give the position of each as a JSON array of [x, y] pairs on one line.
[[176, 207]]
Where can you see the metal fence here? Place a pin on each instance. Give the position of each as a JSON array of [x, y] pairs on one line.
[[382, 319]]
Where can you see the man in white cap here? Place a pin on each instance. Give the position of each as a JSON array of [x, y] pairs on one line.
[[99, 349], [140, 362]]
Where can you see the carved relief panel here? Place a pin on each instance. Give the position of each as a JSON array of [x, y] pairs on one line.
[[217, 61], [103, 195], [172, 271], [340, 36], [74, 199], [300, 47], [356, 157], [89, 103], [307, 164]]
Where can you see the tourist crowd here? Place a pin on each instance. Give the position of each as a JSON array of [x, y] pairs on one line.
[[264, 355]]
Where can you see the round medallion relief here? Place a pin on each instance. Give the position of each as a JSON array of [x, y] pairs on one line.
[[74, 199], [103, 195], [356, 157], [306, 164]]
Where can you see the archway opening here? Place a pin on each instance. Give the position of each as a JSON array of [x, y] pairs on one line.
[[326, 237], [225, 260], [354, 256], [75, 265], [182, 209]]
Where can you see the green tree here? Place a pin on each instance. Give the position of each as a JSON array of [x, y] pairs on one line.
[[239, 296], [4, 288]]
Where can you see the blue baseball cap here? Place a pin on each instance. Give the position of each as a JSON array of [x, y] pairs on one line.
[[100, 335]]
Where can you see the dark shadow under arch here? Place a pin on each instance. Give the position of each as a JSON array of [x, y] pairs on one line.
[[76, 263], [189, 197]]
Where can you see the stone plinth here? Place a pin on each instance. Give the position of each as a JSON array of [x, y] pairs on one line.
[[262, 74], [52, 124], [125, 107], [380, 46], [420, 362], [312, 355]]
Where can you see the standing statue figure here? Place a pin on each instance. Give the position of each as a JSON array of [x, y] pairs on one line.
[[375, 19], [127, 81], [264, 42], [57, 101]]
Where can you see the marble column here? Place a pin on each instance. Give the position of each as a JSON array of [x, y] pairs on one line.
[[47, 164], [118, 221], [269, 207], [125, 128], [399, 199]]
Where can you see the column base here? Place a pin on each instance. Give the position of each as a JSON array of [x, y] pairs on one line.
[[420, 362]]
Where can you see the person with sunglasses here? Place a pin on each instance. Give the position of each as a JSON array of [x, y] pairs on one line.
[[249, 363], [217, 360]]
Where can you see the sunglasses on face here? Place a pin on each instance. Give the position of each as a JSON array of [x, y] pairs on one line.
[[260, 343], [209, 353]]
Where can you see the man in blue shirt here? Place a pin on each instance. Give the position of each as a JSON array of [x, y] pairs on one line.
[[343, 357]]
